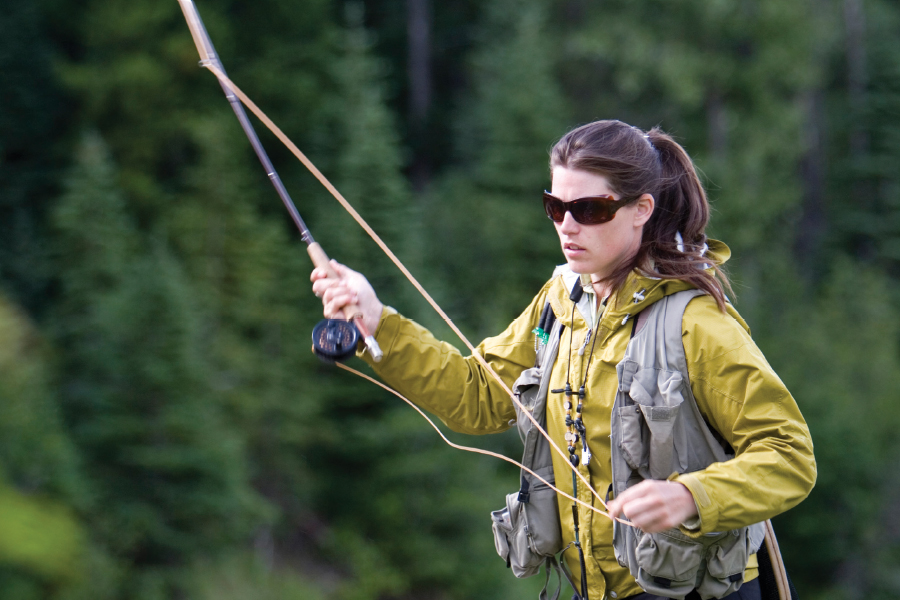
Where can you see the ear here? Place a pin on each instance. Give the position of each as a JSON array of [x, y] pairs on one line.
[[643, 210]]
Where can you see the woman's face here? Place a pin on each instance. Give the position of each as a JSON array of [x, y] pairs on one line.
[[597, 249]]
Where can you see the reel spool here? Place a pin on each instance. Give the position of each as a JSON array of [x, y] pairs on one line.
[[335, 340]]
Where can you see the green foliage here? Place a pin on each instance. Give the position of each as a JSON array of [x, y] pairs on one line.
[[36, 454], [369, 163], [42, 541], [40, 537], [501, 250], [843, 365], [241, 576], [163, 424], [166, 464], [31, 111]]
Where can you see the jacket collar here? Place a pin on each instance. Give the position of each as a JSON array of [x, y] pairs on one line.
[[637, 293]]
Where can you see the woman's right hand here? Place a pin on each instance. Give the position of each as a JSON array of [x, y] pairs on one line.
[[348, 288]]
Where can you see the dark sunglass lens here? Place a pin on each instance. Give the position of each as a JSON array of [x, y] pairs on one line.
[[591, 212], [554, 208]]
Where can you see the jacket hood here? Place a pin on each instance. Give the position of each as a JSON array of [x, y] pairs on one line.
[[637, 293]]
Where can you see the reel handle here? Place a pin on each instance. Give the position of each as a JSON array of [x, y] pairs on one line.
[[351, 311]]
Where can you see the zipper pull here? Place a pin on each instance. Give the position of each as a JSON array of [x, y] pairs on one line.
[[585, 451], [587, 339]]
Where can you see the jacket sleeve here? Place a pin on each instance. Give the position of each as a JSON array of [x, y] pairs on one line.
[[747, 404], [437, 377]]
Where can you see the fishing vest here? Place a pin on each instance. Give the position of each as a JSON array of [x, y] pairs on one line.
[[657, 430]]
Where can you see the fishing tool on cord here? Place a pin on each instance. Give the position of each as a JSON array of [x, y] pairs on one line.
[[334, 340]]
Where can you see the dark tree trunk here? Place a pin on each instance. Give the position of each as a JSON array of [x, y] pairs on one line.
[[418, 28], [855, 26], [812, 226]]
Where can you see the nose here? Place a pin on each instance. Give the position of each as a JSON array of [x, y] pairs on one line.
[[569, 224]]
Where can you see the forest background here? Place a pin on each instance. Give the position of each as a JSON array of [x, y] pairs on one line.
[[165, 431]]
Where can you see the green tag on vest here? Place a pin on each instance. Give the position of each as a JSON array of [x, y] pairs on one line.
[[542, 335]]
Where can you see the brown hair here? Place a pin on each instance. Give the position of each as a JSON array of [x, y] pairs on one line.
[[635, 163]]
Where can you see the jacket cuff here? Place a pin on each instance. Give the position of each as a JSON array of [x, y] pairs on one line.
[[708, 513]]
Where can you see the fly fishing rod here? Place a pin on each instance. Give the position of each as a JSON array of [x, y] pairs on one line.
[[333, 339]]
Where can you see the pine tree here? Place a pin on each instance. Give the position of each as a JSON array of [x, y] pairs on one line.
[[168, 471], [40, 476], [488, 209], [31, 116], [368, 167]]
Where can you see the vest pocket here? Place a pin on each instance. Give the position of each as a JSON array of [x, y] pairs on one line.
[[726, 564], [660, 421], [634, 451], [525, 534], [658, 395], [526, 388], [667, 563]]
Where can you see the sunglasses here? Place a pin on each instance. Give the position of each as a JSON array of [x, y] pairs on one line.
[[591, 210]]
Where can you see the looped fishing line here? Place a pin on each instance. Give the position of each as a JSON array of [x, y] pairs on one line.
[[362, 222], [476, 450]]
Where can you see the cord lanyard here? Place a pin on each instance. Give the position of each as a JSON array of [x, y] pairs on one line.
[[575, 429]]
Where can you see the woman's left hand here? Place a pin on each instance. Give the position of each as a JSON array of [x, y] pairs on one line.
[[654, 505]]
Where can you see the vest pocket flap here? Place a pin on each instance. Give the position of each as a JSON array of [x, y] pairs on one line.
[[528, 378], [669, 556], [625, 371], [527, 389], [502, 519], [654, 387], [634, 451]]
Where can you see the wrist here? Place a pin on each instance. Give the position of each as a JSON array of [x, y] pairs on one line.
[[372, 318]]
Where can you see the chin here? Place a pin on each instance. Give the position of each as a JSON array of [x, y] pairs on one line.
[[579, 267]]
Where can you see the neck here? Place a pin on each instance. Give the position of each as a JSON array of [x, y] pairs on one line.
[[601, 289]]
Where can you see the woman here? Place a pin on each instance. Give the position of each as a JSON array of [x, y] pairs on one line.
[[630, 213]]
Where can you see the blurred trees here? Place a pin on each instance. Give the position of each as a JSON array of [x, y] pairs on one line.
[[165, 431]]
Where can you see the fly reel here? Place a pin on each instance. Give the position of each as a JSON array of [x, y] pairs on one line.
[[335, 340]]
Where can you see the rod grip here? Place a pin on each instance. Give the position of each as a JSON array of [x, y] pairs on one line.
[[321, 260]]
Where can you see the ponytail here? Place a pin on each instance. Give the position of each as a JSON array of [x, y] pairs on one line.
[[681, 213]]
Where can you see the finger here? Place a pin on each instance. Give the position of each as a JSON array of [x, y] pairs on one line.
[[619, 502], [321, 286], [650, 514], [332, 310], [334, 303], [337, 291], [637, 508], [343, 271]]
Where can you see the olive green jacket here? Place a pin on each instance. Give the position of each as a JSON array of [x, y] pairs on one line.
[[735, 388]]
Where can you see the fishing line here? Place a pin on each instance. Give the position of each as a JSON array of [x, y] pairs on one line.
[[211, 62], [381, 244], [477, 450]]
